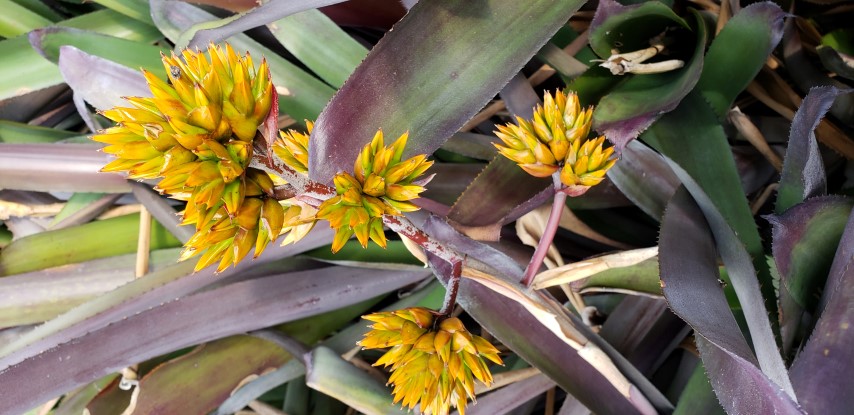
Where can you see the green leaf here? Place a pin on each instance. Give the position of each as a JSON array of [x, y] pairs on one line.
[[135, 9], [431, 74], [129, 53], [41, 9], [630, 28], [320, 44], [327, 372], [15, 132], [698, 397], [25, 71], [93, 240], [738, 53], [640, 278], [17, 20], [76, 202], [634, 104], [208, 373], [805, 239]]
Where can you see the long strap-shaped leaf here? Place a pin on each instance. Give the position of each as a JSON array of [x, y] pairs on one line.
[[743, 277], [430, 74], [689, 276], [236, 308]]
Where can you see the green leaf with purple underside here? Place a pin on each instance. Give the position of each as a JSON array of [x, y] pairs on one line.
[[803, 173], [821, 373], [805, 238], [691, 136], [689, 276], [37, 296], [409, 83]]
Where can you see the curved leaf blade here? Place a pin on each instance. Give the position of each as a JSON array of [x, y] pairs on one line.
[[805, 239], [634, 104], [689, 277], [408, 83], [803, 173], [738, 53]]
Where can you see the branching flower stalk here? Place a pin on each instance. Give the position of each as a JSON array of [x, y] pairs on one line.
[[554, 144], [200, 134]]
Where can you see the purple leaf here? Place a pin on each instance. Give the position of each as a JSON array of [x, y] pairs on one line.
[[803, 173], [139, 295], [408, 83], [258, 16], [57, 167], [804, 241], [520, 192], [447, 235], [645, 178], [99, 81], [516, 188], [744, 281], [520, 330], [235, 308], [643, 329], [510, 397], [821, 373], [689, 276], [519, 96]]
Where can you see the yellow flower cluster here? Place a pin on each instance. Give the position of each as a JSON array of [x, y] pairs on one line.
[[382, 184], [196, 133], [556, 140], [433, 363]]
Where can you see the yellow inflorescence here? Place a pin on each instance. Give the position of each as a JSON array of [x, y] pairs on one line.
[[292, 148], [381, 184], [433, 364], [196, 133], [555, 140]]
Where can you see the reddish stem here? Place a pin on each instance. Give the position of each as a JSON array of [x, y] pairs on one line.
[[452, 289], [548, 234]]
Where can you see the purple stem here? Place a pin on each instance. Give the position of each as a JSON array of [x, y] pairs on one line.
[[548, 233]]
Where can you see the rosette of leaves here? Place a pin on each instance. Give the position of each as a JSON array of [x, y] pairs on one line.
[[433, 361], [196, 133]]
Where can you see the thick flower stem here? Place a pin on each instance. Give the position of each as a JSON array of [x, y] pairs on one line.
[[548, 233], [451, 290]]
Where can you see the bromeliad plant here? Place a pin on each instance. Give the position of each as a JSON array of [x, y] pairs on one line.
[[198, 134], [674, 91]]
